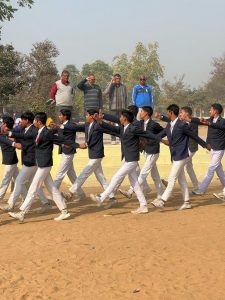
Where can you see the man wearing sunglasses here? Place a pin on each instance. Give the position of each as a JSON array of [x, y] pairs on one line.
[[142, 94]]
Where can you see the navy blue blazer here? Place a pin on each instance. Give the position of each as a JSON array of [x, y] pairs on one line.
[[149, 146], [94, 139], [178, 140], [69, 133], [27, 140], [9, 156], [192, 144], [130, 143]]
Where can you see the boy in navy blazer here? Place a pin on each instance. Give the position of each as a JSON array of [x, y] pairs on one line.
[[178, 133], [94, 142], [43, 153], [129, 135], [29, 167], [9, 158]]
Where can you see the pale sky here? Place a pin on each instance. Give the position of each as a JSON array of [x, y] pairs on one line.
[[189, 32]]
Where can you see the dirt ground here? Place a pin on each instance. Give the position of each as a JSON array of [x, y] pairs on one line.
[[112, 254]]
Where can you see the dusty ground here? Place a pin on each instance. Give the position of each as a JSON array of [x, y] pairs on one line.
[[98, 254]]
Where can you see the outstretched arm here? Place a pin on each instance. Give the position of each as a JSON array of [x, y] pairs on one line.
[[190, 133]]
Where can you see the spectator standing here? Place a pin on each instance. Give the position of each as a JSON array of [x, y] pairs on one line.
[[118, 98], [63, 93], [92, 93], [142, 95]]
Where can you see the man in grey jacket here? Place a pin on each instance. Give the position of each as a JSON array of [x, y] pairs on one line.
[[118, 98]]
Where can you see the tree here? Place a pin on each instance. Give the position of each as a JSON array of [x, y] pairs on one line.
[[215, 87], [7, 10], [11, 81], [174, 92], [143, 61], [39, 72], [121, 65]]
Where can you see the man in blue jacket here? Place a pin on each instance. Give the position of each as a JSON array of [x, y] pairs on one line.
[[142, 94]]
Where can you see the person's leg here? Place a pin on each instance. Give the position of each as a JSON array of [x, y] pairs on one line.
[[175, 171], [56, 195], [37, 181], [191, 172], [63, 168], [9, 172], [25, 174], [101, 178], [72, 177], [137, 188], [117, 178], [157, 180], [184, 186], [113, 137], [85, 173], [216, 157]]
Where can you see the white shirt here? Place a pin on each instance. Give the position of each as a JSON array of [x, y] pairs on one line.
[[215, 119], [145, 124], [27, 128], [125, 127], [63, 124], [172, 124]]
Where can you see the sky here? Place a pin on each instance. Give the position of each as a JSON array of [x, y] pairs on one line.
[[189, 32]]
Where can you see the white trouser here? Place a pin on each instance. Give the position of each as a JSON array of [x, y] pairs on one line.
[[190, 170], [25, 174], [214, 166], [128, 168], [177, 172], [43, 176], [10, 172], [94, 165], [150, 166], [66, 168], [144, 184]]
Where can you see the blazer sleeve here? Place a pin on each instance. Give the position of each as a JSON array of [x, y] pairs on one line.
[[145, 134], [220, 125], [110, 129], [111, 118], [189, 132], [157, 128], [74, 127], [24, 136], [5, 140], [164, 118]]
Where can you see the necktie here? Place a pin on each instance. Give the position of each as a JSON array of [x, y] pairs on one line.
[[37, 139]]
